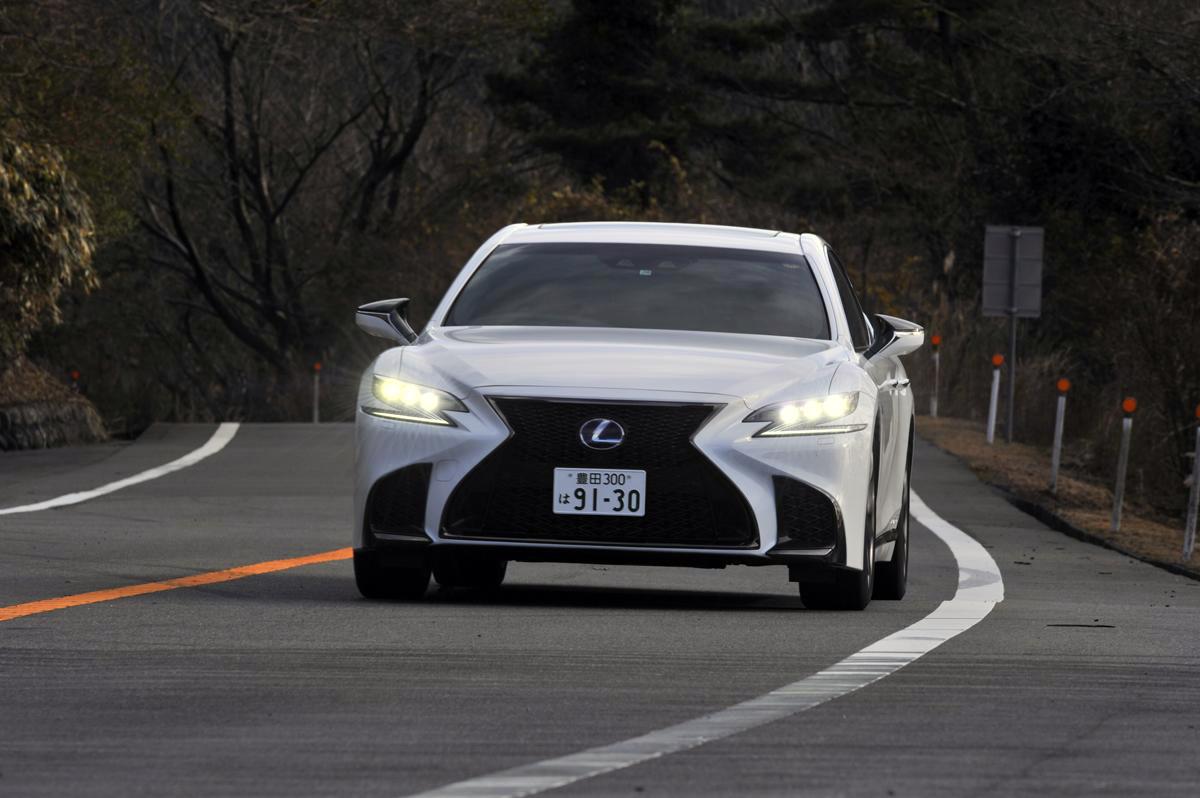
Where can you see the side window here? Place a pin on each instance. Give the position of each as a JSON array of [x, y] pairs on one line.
[[859, 333]]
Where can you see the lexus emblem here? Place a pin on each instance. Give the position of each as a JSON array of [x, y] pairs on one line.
[[601, 434]]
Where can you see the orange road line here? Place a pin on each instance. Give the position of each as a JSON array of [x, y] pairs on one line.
[[196, 580]]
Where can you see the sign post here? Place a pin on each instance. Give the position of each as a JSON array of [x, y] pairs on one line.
[[1060, 415], [1129, 406], [1012, 287], [936, 340]]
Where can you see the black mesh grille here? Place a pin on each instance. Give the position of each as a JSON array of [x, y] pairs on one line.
[[397, 501], [689, 502], [806, 516]]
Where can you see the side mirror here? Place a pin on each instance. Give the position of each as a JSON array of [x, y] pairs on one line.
[[895, 337], [387, 318]]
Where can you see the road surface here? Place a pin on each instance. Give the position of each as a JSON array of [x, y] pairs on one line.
[[1085, 680]]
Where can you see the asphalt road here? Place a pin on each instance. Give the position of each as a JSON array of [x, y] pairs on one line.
[[1085, 680]]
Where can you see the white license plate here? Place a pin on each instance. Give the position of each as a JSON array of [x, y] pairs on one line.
[[599, 491]]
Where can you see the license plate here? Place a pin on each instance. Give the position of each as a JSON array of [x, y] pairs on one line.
[[599, 491]]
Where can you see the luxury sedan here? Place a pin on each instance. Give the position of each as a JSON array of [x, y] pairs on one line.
[[619, 393]]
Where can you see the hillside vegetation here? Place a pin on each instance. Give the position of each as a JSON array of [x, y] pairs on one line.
[[251, 171]]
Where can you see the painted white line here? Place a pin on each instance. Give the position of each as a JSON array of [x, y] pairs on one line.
[[216, 443], [980, 587]]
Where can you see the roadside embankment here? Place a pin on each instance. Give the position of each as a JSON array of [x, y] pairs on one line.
[[38, 411], [1082, 507]]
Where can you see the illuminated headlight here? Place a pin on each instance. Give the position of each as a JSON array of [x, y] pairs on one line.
[[406, 401], [808, 417]]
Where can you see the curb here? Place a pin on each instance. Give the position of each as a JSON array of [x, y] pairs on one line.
[[1059, 524]]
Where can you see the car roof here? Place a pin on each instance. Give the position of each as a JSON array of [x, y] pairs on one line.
[[710, 235]]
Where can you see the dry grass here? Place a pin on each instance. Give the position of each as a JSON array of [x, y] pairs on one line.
[[22, 382], [1024, 472]]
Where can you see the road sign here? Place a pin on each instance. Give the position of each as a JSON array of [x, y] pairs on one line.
[[1012, 287], [1012, 271]]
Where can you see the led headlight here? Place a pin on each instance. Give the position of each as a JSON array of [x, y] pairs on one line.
[[808, 417], [406, 401]]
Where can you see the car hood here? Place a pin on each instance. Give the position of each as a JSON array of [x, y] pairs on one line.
[[744, 366]]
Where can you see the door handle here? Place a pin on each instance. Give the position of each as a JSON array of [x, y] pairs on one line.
[[903, 383], [890, 384]]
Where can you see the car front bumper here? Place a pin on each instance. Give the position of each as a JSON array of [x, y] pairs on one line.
[[836, 465]]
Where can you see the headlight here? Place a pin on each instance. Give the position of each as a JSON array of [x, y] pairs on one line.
[[808, 417], [406, 401]]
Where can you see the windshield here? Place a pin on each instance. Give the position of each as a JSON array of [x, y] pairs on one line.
[[646, 286]]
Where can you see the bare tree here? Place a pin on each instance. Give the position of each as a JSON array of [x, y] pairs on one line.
[[300, 138]]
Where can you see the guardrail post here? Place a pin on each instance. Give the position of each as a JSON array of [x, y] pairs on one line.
[[317, 392], [997, 362], [1189, 529], [1129, 406], [1060, 415], [936, 340]]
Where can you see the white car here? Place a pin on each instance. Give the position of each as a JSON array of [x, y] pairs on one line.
[[619, 393]]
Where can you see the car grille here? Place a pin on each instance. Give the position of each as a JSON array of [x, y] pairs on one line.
[[689, 502], [397, 501], [807, 518]]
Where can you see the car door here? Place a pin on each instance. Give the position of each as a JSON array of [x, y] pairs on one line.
[[884, 373]]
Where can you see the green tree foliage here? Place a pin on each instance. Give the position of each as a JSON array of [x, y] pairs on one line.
[[596, 90], [75, 75], [45, 241]]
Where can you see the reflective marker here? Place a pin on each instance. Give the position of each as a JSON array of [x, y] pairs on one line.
[[1129, 406], [997, 362], [937, 365], [1189, 529], [1060, 413]]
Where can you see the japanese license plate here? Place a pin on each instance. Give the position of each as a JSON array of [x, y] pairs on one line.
[[599, 491]]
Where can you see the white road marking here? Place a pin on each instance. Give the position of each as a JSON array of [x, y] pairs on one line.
[[980, 588], [216, 443]]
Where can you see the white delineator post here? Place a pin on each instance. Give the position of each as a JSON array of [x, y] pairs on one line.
[[936, 340], [1060, 415], [1129, 406], [1189, 528], [317, 392], [997, 362]]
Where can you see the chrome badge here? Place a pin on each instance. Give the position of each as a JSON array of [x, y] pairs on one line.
[[601, 434]]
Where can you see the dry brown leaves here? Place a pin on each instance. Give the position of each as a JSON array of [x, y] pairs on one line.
[[1024, 471]]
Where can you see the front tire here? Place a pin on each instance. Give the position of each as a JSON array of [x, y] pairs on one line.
[[376, 580], [851, 591]]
